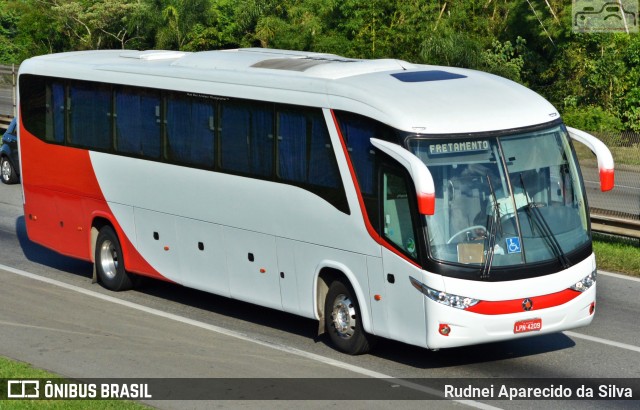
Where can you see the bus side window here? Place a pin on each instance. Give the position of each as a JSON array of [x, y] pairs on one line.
[[323, 169], [396, 212], [56, 114], [292, 146], [246, 139], [190, 131], [137, 122], [89, 111], [234, 138]]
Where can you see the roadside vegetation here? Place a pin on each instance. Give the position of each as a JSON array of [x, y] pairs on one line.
[[593, 79], [615, 254], [11, 369]]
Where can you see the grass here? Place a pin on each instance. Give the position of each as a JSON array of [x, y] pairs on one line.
[[11, 369], [616, 254]]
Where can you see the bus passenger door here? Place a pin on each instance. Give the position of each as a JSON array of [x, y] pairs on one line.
[[253, 267], [399, 229]]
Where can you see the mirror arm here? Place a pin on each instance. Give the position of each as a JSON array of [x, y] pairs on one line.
[[422, 178]]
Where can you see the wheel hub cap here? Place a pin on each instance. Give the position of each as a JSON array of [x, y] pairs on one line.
[[344, 316], [109, 259], [6, 170]]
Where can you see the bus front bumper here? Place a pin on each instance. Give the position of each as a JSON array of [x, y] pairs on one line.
[[458, 327]]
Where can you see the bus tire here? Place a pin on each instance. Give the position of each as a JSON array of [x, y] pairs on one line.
[[343, 320], [110, 262]]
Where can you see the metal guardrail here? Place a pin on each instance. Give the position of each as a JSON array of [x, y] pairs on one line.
[[8, 76], [615, 226], [5, 120], [8, 69]]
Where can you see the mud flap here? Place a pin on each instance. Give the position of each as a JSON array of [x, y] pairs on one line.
[[94, 277], [321, 327]]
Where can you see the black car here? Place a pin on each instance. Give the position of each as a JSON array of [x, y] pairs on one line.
[[9, 165]]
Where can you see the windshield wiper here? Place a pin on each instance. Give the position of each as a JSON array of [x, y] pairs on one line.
[[493, 222], [534, 214]]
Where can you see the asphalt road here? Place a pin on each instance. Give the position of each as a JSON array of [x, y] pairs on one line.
[[53, 317], [625, 197]]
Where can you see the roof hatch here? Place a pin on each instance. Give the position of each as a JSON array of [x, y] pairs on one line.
[[151, 55]]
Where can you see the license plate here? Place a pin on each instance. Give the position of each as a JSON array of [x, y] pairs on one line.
[[531, 325]]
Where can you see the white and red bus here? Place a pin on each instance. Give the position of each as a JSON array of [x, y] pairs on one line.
[[436, 206]]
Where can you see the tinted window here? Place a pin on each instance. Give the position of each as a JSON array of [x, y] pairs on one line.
[[305, 154], [190, 131], [246, 138], [292, 146], [56, 112], [234, 136], [323, 169], [137, 122], [357, 132], [34, 106], [90, 116]]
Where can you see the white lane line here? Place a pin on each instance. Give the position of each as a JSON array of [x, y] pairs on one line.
[[619, 276], [50, 329], [603, 341], [244, 337]]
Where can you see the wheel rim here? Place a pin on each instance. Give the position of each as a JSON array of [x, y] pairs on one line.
[[109, 259], [6, 170], [343, 316]]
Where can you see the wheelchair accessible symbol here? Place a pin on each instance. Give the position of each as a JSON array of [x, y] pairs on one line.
[[513, 245]]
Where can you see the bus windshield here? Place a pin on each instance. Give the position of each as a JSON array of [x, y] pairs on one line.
[[504, 201]]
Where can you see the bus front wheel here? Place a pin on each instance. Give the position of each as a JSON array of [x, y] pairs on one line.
[[343, 320], [110, 262]]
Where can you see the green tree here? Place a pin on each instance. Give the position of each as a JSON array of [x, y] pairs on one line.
[[8, 33], [94, 24], [180, 19]]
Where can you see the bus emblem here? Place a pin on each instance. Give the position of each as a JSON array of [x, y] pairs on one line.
[[527, 304]]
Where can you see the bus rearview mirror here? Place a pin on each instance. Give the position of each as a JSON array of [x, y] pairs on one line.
[[422, 179]]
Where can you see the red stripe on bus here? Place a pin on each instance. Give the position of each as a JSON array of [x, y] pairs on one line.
[[504, 307], [372, 232], [62, 199]]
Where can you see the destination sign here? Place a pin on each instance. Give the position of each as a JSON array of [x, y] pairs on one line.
[[458, 147]]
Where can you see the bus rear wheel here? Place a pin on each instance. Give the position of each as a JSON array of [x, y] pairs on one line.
[[343, 320], [110, 262]]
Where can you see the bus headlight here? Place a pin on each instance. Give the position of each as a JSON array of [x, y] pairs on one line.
[[448, 299], [586, 282]]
